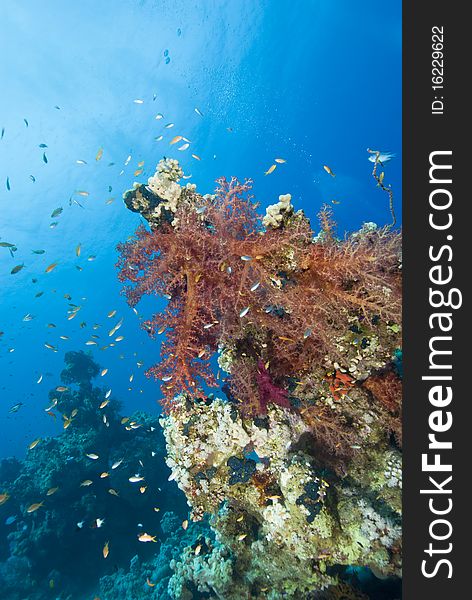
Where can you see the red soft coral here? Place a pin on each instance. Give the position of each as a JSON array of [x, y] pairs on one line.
[[275, 293]]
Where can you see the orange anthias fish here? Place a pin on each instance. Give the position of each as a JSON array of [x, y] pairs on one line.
[[106, 550]]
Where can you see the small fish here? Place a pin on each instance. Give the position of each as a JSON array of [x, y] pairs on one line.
[[244, 312], [280, 160], [38, 251], [145, 537], [198, 111], [103, 372], [106, 549], [255, 286], [26, 122], [169, 125], [246, 258], [159, 116], [242, 537], [34, 507], [136, 479], [113, 492], [10, 520], [40, 379], [50, 347], [28, 317], [92, 456], [270, 170], [335, 202], [99, 522], [74, 412], [3, 498], [52, 491], [99, 154], [196, 157], [33, 178], [56, 212], [198, 549], [3, 133], [116, 464], [8, 184], [34, 443], [86, 483], [39, 294], [185, 524], [6, 245], [239, 519], [81, 162], [45, 158], [143, 488], [17, 269], [82, 193], [51, 267], [103, 404], [307, 333], [381, 177], [149, 583], [159, 138], [91, 258], [138, 172], [175, 139], [43, 146], [104, 475], [120, 338], [62, 388], [381, 157], [138, 101], [328, 170]]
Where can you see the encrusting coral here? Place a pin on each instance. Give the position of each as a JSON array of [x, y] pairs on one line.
[[299, 467]]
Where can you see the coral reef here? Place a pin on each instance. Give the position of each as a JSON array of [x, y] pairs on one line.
[[80, 479], [299, 467]]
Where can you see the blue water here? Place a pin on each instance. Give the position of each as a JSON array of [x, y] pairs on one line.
[[315, 83]]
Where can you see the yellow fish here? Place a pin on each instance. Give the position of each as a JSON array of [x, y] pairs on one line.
[[106, 550], [3, 498], [52, 491], [99, 154], [34, 507], [270, 170], [78, 248], [34, 443], [328, 170], [145, 537], [175, 139]]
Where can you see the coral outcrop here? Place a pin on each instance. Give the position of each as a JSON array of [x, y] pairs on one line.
[[299, 466]]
